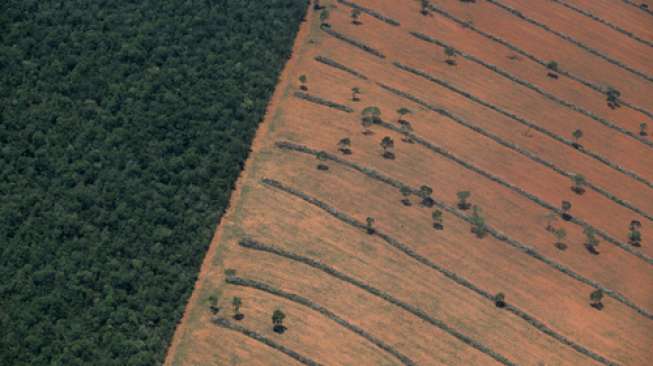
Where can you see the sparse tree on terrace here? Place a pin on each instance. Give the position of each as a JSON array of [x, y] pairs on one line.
[[369, 116], [425, 7], [450, 52], [592, 242], [560, 235], [643, 129], [355, 15], [324, 17], [344, 145], [579, 184], [500, 300], [370, 225], [302, 81], [478, 223], [402, 112], [277, 321], [406, 192], [316, 5], [388, 144], [437, 220], [595, 299], [462, 200], [355, 92], [236, 302], [566, 206], [577, 134], [213, 304], [634, 236]]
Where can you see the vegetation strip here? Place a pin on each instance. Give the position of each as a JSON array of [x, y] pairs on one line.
[[353, 42], [450, 275], [569, 39], [533, 58], [324, 102], [519, 150], [639, 6], [224, 323], [370, 12], [521, 120], [441, 151], [495, 233], [536, 89], [332, 63], [233, 280], [604, 22], [372, 290]]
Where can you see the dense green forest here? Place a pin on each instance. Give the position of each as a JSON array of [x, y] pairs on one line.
[[123, 126]]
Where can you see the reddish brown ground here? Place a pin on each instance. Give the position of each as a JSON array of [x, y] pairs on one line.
[[270, 216]]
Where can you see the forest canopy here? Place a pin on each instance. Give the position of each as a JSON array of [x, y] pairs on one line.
[[123, 126]]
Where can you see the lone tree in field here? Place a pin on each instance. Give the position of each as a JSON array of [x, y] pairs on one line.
[[425, 7], [462, 200], [402, 112], [388, 144], [613, 98], [577, 134], [322, 156], [478, 223], [634, 236], [370, 225], [213, 304], [355, 92], [437, 220], [579, 184], [302, 81], [406, 192], [450, 52], [425, 192], [344, 145], [500, 300], [355, 15], [592, 242], [236, 302], [643, 129], [566, 206], [595, 299], [369, 116], [552, 65], [560, 235], [324, 17], [551, 217], [277, 321]]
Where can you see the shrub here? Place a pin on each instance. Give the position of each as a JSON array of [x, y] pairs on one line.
[[355, 94], [370, 225], [388, 144], [500, 300], [634, 238], [277, 321], [566, 206], [236, 302], [369, 116], [302, 81], [355, 15], [579, 184], [478, 223], [437, 220], [643, 129], [592, 242], [595, 299], [344, 145], [324, 17], [425, 7], [230, 272], [576, 135], [552, 65], [560, 235]]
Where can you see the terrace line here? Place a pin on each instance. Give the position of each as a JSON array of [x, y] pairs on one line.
[[353, 42], [647, 10], [535, 88], [377, 293], [224, 323], [370, 12], [569, 39], [324, 102], [604, 22], [238, 281], [535, 59], [509, 145], [450, 275], [495, 233]]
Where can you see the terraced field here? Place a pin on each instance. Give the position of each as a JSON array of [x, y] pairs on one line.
[[335, 228]]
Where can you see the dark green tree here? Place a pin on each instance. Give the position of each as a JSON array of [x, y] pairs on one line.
[[462, 200], [277, 321]]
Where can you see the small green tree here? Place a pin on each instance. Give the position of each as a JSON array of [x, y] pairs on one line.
[[478, 223], [560, 235], [355, 92], [425, 191], [462, 200], [579, 184], [577, 134], [236, 302], [552, 65], [500, 300], [369, 116], [370, 225], [344, 145], [402, 112], [437, 220], [387, 144], [277, 321], [634, 237], [355, 15], [596, 298], [591, 242], [324, 17], [566, 206], [213, 304], [643, 129], [425, 7], [302, 81]]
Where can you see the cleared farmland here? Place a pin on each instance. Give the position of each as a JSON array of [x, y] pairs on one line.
[[333, 219]]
